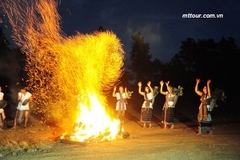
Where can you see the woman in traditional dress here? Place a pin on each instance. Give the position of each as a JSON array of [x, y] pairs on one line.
[[121, 105], [204, 116], [169, 105], [147, 106]]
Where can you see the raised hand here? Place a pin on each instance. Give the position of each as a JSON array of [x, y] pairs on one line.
[[161, 83], [197, 80], [149, 83], [208, 81], [139, 84], [167, 83]]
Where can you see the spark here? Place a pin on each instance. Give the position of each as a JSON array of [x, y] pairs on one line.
[[62, 68]]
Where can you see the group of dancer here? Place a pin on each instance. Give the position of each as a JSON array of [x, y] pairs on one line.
[[147, 106], [21, 116], [204, 115], [169, 104]]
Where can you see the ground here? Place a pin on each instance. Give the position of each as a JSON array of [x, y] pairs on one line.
[[41, 141]]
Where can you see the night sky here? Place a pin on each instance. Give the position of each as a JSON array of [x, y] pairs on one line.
[[159, 21]]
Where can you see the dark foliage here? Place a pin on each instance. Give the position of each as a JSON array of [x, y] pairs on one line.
[[204, 59]]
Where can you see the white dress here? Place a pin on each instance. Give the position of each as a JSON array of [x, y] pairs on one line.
[[1, 95], [150, 97], [1, 98], [119, 99], [23, 98]]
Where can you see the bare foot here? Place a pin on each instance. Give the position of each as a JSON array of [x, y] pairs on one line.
[[199, 133], [14, 127]]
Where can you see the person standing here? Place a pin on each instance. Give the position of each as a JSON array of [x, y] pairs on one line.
[[121, 105], [205, 97], [147, 106], [22, 113], [169, 105], [2, 105], [204, 108]]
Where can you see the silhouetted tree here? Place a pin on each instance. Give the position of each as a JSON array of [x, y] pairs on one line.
[[4, 43], [227, 62], [157, 69], [12, 62], [140, 59], [207, 59]]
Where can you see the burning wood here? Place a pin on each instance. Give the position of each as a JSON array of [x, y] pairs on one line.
[[62, 67], [94, 125]]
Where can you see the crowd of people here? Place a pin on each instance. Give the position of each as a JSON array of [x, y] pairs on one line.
[[146, 113], [21, 116], [204, 115]]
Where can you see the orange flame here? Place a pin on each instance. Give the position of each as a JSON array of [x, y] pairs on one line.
[[62, 68], [94, 122]]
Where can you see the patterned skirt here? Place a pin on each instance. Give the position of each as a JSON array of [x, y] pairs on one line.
[[206, 125], [168, 115], [146, 115]]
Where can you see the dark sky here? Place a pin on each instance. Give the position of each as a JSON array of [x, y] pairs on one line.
[[159, 21]]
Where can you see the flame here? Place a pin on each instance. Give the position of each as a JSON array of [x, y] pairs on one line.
[[63, 68], [94, 123]]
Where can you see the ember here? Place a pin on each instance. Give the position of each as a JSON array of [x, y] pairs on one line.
[[67, 74], [94, 123]]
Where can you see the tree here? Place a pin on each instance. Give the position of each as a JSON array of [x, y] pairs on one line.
[[207, 59], [181, 68], [157, 71], [12, 62], [4, 52], [140, 59], [227, 64], [4, 43]]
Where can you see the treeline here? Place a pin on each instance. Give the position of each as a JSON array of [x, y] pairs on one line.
[[203, 58], [12, 62]]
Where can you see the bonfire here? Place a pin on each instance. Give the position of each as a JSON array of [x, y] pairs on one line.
[[63, 69]]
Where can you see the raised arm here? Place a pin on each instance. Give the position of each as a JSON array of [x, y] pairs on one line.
[[149, 85], [167, 84], [139, 88], [208, 87], [114, 91], [126, 93], [161, 88], [196, 88]]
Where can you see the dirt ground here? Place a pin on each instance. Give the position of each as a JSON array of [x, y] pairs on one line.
[[41, 141]]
